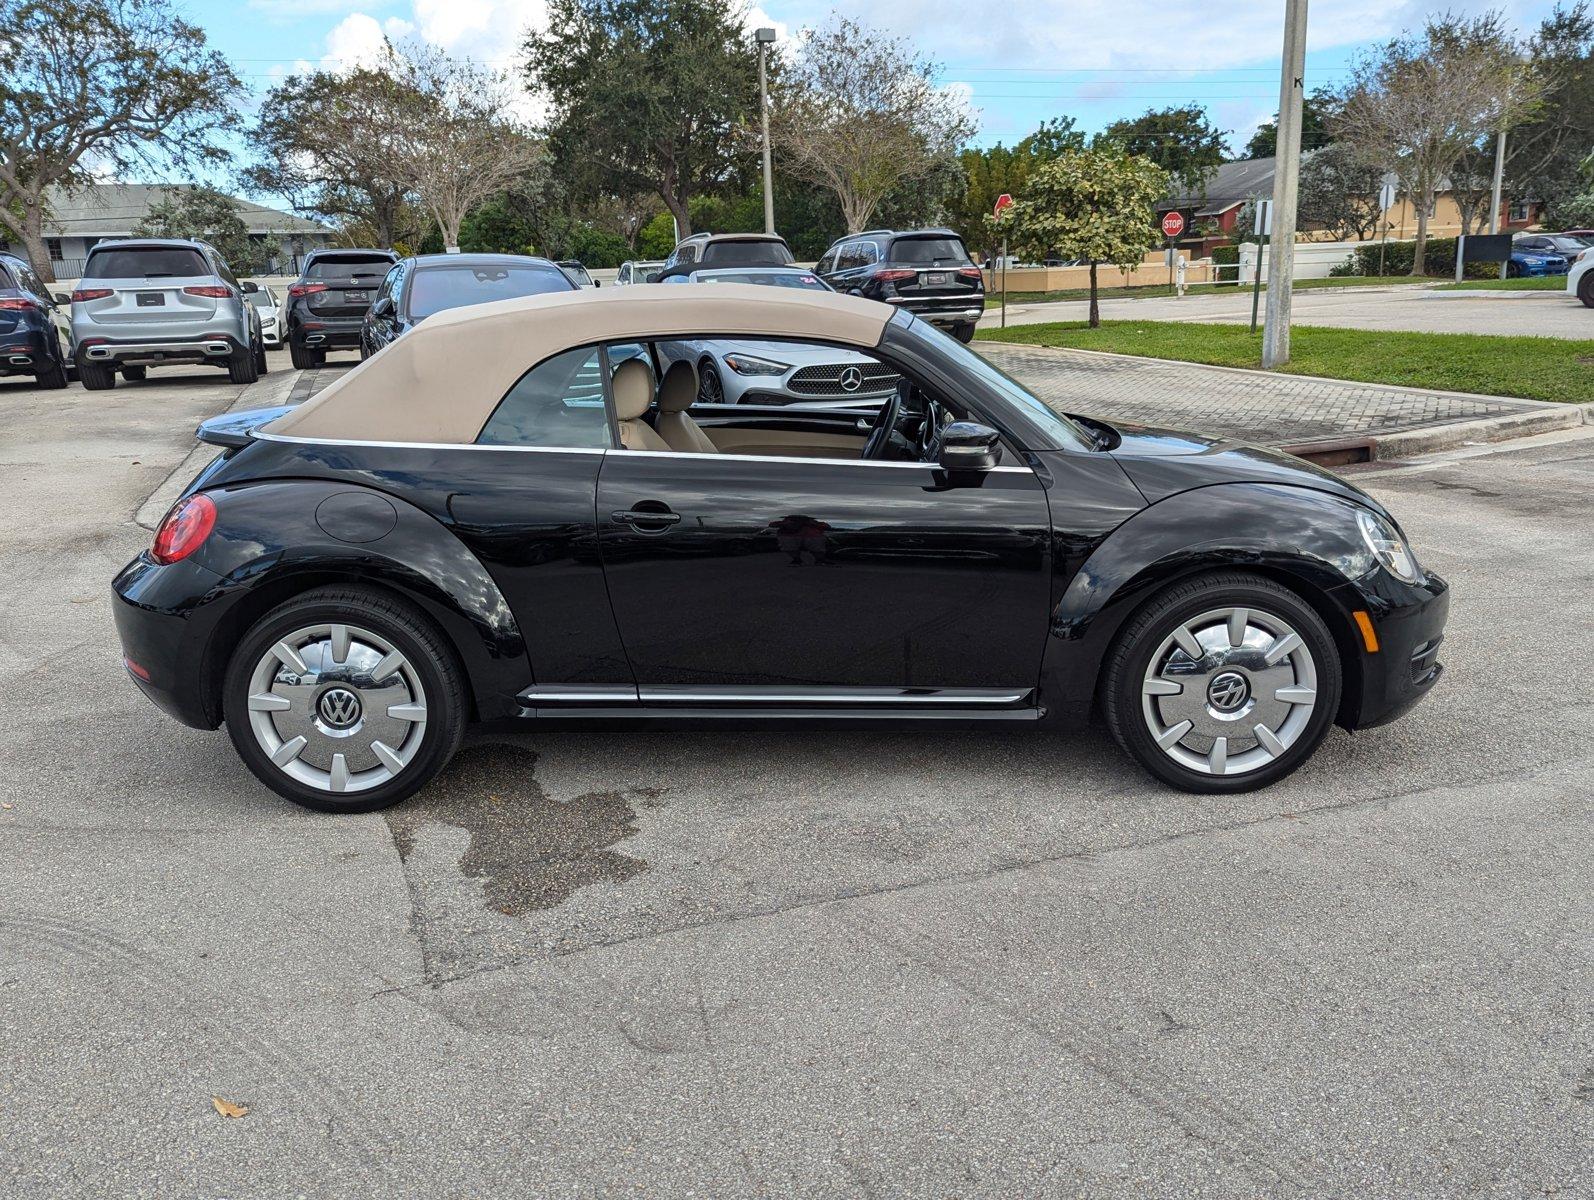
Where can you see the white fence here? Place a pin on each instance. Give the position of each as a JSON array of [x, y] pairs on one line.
[[1313, 260]]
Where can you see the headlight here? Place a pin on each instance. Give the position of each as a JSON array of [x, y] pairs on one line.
[[746, 364], [1388, 547]]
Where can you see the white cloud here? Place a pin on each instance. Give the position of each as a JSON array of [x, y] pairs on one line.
[[358, 41]]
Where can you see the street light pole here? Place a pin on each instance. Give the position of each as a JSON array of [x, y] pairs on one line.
[[1286, 185], [765, 38]]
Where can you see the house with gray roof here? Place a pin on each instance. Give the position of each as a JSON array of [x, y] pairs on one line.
[[96, 212]]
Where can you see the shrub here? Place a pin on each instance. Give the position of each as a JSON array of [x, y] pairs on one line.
[[1227, 256], [1438, 263]]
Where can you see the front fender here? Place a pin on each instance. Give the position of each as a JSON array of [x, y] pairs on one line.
[[1304, 538], [276, 538]]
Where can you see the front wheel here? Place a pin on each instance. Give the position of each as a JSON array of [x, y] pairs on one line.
[[344, 700], [1225, 683], [1585, 288], [710, 388]]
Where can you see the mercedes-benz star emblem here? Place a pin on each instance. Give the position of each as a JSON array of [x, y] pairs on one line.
[[1228, 691], [851, 379], [339, 707]]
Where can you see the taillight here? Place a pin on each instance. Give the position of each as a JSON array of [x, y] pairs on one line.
[[16, 302], [893, 275], [214, 291], [183, 529], [971, 273], [90, 294], [304, 289]]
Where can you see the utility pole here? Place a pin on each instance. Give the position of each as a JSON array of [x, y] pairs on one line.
[[765, 38], [1494, 199], [1286, 186]]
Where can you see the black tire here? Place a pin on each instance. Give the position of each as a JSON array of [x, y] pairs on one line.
[[241, 367], [1128, 660], [303, 360], [54, 376], [96, 377], [964, 331], [1585, 288], [409, 631], [135, 373], [1512, 271], [710, 388], [261, 366]]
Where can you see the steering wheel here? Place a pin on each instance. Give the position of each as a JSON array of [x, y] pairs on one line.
[[885, 424], [930, 432]]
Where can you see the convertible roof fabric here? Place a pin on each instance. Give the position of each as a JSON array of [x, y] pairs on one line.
[[441, 380]]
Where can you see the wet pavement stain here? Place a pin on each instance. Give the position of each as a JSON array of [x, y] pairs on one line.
[[529, 850]]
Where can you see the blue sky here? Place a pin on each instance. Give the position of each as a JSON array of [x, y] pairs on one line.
[[1018, 61]]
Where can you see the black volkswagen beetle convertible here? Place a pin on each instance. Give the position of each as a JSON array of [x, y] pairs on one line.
[[519, 511]]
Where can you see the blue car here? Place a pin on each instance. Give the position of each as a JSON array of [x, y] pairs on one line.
[[35, 326], [1533, 261]]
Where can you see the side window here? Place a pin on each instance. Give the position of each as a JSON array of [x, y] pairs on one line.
[[687, 254], [223, 270], [826, 264], [868, 254], [32, 283], [559, 402], [847, 257], [389, 284]]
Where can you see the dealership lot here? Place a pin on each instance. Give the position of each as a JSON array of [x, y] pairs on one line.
[[830, 964]]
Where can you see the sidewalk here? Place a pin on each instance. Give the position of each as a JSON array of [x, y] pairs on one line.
[[1269, 409]]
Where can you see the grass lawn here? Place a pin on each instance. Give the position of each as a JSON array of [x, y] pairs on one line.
[[1528, 283], [993, 299], [1531, 367]]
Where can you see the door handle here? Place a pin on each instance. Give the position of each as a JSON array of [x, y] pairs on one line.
[[632, 516]]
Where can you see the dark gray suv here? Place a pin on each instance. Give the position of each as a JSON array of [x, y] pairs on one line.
[[152, 302]]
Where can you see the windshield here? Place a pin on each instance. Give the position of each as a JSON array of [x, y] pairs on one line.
[[1051, 430], [929, 251], [1570, 243], [437, 288], [747, 254], [342, 266], [145, 262], [787, 279]]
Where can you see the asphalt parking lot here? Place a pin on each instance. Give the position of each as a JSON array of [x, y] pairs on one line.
[[816, 964]]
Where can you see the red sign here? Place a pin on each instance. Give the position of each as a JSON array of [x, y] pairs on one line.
[[1172, 224], [1003, 203]]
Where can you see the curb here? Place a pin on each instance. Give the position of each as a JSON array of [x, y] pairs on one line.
[[1412, 442]]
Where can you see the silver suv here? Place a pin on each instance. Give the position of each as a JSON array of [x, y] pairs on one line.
[[149, 302]]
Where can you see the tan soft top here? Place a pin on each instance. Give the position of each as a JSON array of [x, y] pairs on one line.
[[441, 380]]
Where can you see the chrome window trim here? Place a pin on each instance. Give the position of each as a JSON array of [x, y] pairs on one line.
[[834, 462]]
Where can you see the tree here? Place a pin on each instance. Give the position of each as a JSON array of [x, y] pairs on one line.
[[1317, 116], [1573, 212], [644, 95], [1179, 140], [860, 113], [107, 84], [1544, 151], [1097, 204], [207, 215], [328, 141], [456, 149], [1340, 191], [1418, 102]]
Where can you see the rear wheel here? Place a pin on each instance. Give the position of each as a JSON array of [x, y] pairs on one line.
[[241, 367], [1585, 288], [303, 359], [261, 366], [1226, 683], [344, 700], [96, 377], [135, 374], [964, 332], [54, 376]]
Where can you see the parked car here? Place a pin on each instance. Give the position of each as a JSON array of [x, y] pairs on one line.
[[636, 271], [264, 298], [1526, 262], [727, 250], [328, 302], [579, 275], [791, 277], [35, 326], [926, 271], [457, 532], [417, 288], [1567, 245], [152, 302], [1580, 278]]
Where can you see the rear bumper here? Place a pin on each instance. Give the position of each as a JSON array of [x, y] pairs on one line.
[[24, 352], [164, 621], [327, 333], [1410, 624], [943, 311], [213, 348]]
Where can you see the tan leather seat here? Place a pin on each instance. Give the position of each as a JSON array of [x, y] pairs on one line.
[[676, 392], [633, 396]]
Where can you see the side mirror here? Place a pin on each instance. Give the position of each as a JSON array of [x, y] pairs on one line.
[[967, 446], [250, 287], [597, 283], [61, 298], [383, 308]]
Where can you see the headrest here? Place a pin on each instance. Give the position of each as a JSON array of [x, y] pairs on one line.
[[633, 389], [679, 388]]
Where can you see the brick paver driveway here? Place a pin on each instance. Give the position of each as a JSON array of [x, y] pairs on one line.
[[1251, 406]]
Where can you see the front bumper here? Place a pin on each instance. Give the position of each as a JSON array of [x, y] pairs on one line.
[[1409, 620], [165, 616], [207, 348]]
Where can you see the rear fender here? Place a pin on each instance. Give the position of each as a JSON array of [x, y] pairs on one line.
[[1294, 535], [278, 538]]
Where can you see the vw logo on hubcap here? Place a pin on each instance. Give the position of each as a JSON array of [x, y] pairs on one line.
[[338, 707], [851, 379], [1228, 691]]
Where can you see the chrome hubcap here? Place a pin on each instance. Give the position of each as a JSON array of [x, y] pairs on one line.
[[337, 708], [1229, 691]]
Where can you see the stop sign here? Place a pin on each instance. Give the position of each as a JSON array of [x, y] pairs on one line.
[[1003, 203], [1172, 224]]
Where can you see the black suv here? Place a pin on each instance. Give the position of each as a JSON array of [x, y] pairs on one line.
[[327, 306], [926, 271]]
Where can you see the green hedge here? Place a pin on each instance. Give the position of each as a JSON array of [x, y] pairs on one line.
[[1439, 261], [1227, 255]]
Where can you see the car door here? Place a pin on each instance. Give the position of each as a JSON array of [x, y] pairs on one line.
[[380, 329], [762, 579]]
